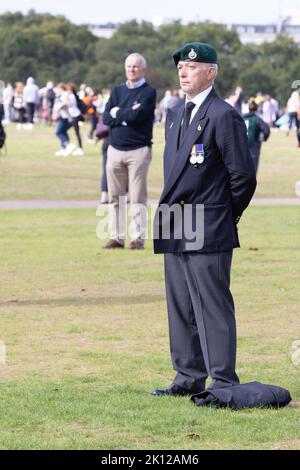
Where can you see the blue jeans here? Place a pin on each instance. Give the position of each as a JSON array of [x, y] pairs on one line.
[[61, 131]]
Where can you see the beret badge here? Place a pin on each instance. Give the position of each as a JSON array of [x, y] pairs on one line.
[[192, 54]]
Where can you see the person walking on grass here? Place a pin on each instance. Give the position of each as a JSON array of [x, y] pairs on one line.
[[76, 117], [61, 109]]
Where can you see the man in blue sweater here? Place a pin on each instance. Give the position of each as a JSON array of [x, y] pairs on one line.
[[130, 115]]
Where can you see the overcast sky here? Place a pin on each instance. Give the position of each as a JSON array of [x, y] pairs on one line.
[[98, 12]]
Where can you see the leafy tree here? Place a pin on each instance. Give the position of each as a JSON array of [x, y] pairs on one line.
[[44, 46], [51, 47]]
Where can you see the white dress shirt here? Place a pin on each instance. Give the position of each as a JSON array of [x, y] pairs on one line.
[[198, 100], [137, 84]]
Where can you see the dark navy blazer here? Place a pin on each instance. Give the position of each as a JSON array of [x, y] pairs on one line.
[[224, 183]]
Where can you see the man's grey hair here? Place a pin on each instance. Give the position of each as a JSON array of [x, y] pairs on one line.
[[139, 57], [215, 67]]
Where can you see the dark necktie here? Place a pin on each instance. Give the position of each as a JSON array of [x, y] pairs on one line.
[[186, 119]]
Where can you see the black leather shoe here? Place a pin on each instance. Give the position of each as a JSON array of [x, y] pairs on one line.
[[173, 390]]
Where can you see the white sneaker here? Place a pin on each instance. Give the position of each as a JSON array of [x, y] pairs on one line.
[[78, 152], [104, 198], [61, 153], [19, 126], [69, 149]]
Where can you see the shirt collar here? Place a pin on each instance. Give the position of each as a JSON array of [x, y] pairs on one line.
[[137, 84], [198, 99]]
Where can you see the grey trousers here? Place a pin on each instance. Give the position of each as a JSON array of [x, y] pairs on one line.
[[201, 319]]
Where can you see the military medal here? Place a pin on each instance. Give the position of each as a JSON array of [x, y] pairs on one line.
[[197, 154], [193, 159]]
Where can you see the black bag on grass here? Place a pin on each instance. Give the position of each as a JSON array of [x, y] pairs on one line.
[[249, 395]]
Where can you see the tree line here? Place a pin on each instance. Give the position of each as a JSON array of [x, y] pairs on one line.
[[50, 47]]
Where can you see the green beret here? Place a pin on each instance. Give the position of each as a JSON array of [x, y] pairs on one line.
[[196, 52]]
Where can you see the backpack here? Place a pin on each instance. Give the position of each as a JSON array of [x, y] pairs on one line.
[[50, 96], [2, 136], [252, 128], [83, 108]]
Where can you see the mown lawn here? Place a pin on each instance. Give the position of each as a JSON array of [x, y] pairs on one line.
[[30, 170], [87, 340]]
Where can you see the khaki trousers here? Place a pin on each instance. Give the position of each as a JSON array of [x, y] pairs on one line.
[[128, 170]]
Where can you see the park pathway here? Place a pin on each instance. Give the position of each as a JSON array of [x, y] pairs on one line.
[[93, 204]]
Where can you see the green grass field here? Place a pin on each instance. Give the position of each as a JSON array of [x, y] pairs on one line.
[[86, 330], [30, 170]]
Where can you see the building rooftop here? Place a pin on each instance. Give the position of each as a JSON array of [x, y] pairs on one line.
[[248, 33]]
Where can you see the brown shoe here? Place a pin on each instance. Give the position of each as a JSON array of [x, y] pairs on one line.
[[113, 244], [136, 245]]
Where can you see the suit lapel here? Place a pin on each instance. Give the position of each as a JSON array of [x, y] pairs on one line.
[[194, 131], [175, 122]]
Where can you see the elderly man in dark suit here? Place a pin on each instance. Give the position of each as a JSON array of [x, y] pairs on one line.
[[209, 181]]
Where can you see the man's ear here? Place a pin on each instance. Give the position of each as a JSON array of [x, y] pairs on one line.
[[211, 74]]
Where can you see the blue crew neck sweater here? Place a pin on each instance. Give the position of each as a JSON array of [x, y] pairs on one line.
[[137, 132]]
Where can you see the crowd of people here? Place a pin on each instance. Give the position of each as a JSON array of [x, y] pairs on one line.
[[62, 104], [265, 114], [276, 115], [68, 107]]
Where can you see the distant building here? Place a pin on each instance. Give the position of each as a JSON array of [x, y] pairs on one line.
[[288, 24], [258, 33], [103, 30], [158, 20], [107, 30]]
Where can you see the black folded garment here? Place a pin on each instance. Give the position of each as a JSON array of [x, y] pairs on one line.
[[249, 395]]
